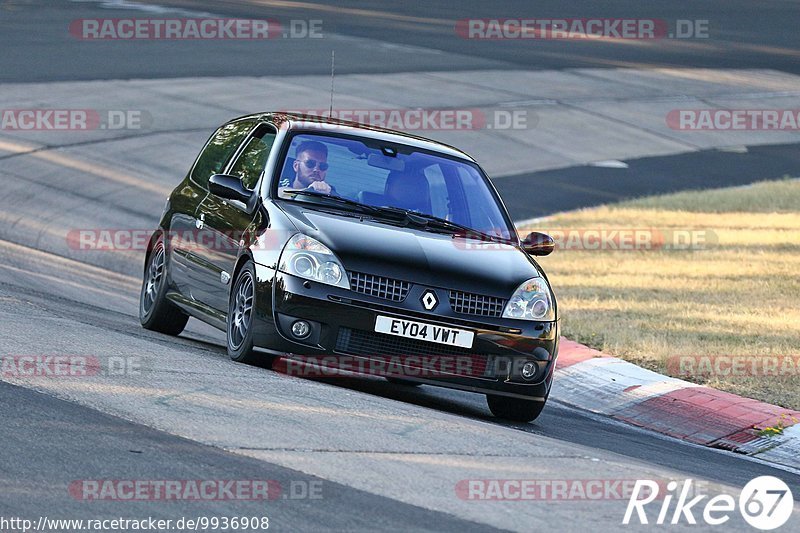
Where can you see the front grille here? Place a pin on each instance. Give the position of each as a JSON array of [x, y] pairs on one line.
[[359, 342], [476, 304], [379, 286], [380, 346]]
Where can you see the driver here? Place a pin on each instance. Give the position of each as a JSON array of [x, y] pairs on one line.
[[310, 167]]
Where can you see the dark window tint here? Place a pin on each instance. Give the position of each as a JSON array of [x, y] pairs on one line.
[[250, 164], [219, 149], [411, 179]]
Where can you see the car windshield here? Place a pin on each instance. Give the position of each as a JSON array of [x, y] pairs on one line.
[[392, 176]]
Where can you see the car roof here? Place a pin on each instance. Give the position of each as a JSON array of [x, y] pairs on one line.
[[300, 122]]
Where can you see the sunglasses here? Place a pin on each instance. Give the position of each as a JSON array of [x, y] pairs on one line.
[[311, 163]]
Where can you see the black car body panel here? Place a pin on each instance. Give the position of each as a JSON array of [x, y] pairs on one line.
[[407, 253], [200, 272]]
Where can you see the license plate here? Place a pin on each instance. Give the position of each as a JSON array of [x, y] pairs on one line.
[[424, 332]]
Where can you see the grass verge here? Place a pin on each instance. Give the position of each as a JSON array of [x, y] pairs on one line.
[[714, 280]]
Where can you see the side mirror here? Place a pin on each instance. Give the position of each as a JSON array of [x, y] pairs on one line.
[[229, 187], [538, 244]]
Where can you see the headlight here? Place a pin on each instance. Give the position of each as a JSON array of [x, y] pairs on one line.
[[531, 301], [308, 258]]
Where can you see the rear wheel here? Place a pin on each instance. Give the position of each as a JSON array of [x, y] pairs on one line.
[[241, 316], [515, 409], [156, 313]]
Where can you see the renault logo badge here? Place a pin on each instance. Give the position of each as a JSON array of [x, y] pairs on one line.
[[429, 300]]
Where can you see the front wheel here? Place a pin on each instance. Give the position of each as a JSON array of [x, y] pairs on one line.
[[241, 317], [156, 313], [515, 409]]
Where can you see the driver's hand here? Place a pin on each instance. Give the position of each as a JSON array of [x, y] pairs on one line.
[[320, 186]]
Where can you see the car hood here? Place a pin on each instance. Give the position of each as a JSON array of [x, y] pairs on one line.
[[412, 254]]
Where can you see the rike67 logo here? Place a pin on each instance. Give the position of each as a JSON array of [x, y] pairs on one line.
[[765, 503]]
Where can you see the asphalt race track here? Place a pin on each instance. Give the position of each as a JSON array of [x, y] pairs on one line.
[[383, 456], [742, 35]]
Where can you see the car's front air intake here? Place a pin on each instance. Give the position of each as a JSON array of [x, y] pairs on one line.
[[379, 286], [476, 304]]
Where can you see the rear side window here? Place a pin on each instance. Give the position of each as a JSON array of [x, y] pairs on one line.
[[219, 149]]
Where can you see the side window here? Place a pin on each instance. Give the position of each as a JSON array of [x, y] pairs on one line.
[[250, 164], [219, 149]]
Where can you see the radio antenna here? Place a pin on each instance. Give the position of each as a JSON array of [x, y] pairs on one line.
[[333, 63]]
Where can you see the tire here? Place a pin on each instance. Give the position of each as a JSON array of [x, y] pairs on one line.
[[514, 409], [406, 382], [241, 315], [156, 313]]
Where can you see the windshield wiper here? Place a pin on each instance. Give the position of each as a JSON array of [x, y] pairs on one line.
[[364, 208], [421, 220], [395, 214], [425, 220]]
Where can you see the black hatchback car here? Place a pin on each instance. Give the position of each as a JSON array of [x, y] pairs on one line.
[[339, 245]]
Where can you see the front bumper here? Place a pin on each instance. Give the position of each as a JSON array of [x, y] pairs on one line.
[[343, 324]]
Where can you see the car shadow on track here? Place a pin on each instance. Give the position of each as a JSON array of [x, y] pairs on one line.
[[455, 402]]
